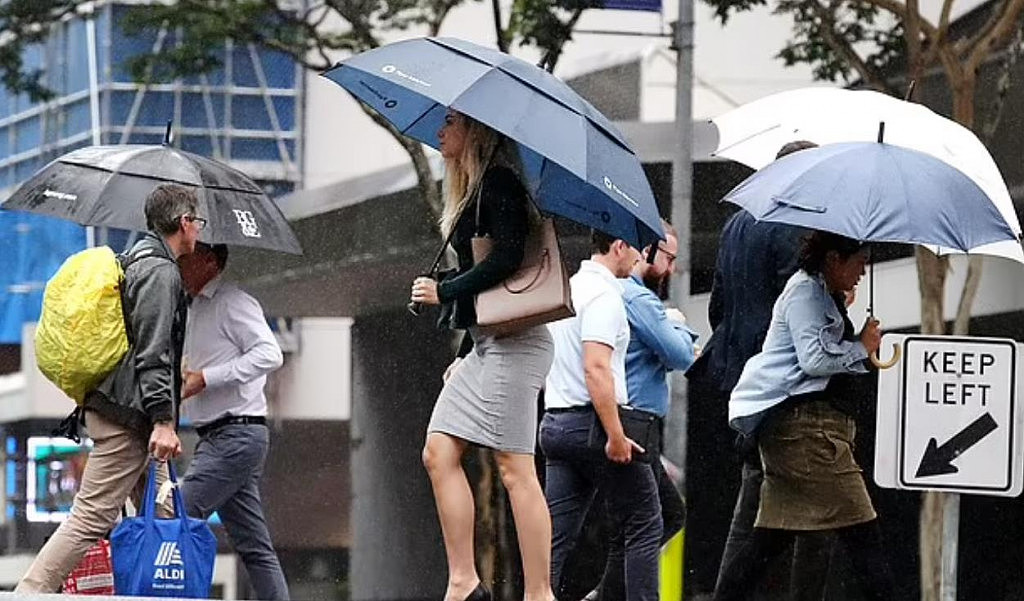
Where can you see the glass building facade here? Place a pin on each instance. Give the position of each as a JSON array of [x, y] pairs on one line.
[[246, 113]]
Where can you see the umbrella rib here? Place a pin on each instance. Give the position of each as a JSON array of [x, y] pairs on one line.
[[169, 180], [722, 149], [417, 120]]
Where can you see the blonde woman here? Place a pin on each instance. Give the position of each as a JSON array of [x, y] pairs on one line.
[[490, 394]]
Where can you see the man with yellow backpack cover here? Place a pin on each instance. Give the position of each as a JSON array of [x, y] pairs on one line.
[[132, 412]]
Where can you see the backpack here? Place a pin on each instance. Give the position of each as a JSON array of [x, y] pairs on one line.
[[81, 336]]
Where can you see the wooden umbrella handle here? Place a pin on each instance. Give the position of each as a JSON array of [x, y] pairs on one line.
[[896, 354]]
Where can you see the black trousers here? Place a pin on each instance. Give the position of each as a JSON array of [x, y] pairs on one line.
[[863, 544], [812, 551]]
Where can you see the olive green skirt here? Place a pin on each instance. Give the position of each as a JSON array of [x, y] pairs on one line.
[[811, 479]]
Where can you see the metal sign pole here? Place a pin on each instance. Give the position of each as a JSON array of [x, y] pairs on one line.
[[950, 544], [94, 95]]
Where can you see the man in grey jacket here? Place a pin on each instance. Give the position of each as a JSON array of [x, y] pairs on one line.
[[133, 414]]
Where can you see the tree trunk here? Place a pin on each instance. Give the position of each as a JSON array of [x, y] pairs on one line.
[[425, 182], [931, 279], [484, 492], [963, 310]]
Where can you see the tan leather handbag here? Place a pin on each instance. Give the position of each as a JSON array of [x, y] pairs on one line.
[[537, 293]]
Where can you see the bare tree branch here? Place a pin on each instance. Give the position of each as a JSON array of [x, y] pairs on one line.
[[912, 36], [424, 175], [1003, 85], [843, 49], [554, 53], [943, 31], [998, 28], [500, 33], [443, 7]]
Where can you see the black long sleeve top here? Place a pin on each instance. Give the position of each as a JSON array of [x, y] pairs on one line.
[[504, 217]]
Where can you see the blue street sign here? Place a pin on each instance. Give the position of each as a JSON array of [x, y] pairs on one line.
[[648, 5]]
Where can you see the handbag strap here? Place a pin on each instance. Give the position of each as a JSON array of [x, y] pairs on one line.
[[455, 222], [451, 233]]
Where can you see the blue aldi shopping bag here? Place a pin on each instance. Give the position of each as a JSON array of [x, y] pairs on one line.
[[163, 558]]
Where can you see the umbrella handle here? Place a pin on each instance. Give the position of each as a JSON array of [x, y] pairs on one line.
[[897, 352]]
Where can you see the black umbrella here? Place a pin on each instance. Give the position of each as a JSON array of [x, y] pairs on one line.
[[106, 186]]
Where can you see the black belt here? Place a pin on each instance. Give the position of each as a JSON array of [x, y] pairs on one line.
[[573, 409], [230, 420]]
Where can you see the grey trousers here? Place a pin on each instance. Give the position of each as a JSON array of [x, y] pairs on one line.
[[224, 476]]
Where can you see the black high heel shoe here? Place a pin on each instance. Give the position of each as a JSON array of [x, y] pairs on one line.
[[479, 594]]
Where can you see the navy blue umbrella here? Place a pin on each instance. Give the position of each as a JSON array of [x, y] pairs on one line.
[[576, 162]]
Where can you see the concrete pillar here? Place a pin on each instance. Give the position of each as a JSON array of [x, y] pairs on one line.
[[397, 362]]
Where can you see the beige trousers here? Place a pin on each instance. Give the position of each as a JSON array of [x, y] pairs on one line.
[[116, 469]]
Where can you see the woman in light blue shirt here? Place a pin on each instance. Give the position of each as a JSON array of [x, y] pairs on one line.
[[811, 480]]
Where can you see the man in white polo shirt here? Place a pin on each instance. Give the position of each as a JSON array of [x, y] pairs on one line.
[[586, 384]]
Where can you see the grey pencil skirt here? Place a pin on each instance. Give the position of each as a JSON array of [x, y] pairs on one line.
[[491, 400]]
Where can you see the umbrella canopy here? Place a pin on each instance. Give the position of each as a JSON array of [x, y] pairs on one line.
[[754, 132], [576, 163], [107, 186], [875, 192]]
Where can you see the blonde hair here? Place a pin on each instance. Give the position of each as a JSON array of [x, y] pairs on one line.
[[462, 175]]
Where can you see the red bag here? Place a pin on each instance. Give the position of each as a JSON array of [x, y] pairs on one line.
[[94, 574]]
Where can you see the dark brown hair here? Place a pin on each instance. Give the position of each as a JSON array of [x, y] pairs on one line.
[[817, 245]]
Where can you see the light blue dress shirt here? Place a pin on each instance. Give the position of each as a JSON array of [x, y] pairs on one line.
[[656, 345], [803, 349]]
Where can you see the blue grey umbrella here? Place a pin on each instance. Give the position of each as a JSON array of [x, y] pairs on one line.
[[577, 163], [875, 192]]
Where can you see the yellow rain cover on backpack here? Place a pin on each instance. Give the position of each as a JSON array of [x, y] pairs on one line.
[[81, 335]]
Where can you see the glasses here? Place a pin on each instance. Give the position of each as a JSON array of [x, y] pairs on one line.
[[199, 221], [671, 256]]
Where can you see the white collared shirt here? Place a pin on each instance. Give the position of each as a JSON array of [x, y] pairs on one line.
[[600, 317], [228, 339]]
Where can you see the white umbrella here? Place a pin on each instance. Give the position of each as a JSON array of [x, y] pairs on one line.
[[753, 133]]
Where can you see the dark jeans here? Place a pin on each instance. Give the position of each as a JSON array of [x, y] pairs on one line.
[[574, 472], [673, 514], [863, 544], [224, 476]]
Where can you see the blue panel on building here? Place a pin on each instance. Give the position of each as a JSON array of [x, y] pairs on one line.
[[249, 112], [278, 68], [77, 65], [196, 110], [34, 247]]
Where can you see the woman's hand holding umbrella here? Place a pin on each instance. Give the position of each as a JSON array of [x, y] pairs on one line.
[[424, 291], [871, 335]]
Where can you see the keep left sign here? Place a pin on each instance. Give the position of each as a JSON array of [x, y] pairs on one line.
[[949, 417]]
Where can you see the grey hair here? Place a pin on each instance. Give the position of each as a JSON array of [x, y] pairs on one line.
[[165, 205]]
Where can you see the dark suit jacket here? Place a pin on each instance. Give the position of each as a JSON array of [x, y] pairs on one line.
[[755, 259]]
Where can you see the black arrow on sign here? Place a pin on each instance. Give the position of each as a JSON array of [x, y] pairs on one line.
[[937, 460]]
